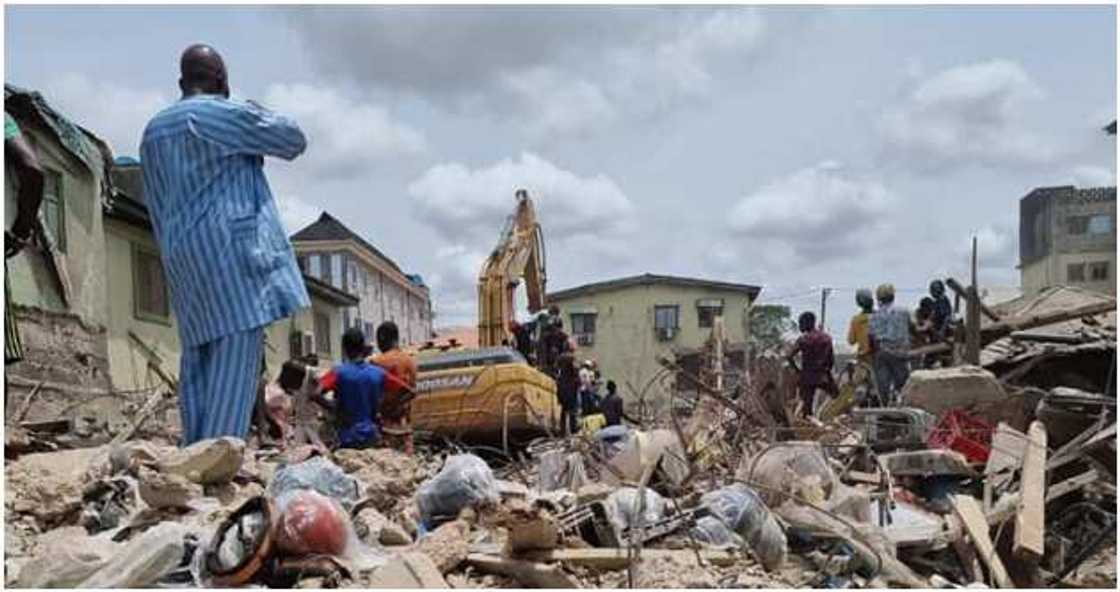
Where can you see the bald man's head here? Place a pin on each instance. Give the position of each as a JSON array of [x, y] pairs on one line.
[[202, 71]]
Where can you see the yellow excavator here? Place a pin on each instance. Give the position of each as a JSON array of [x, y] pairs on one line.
[[493, 393]]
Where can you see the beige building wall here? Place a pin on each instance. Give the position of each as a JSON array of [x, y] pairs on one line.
[[626, 346], [128, 359]]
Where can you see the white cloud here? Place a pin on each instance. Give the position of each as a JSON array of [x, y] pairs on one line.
[[296, 213], [968, 114], [115, 113], [553, 103], [819, 212], [344, 135], [1092, 176], [588, 219]]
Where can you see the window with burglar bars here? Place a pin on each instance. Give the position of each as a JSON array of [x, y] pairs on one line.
[[1075, 272], [54, 208], [583, 323], [1098, 271], [707, 311], [151, 300]]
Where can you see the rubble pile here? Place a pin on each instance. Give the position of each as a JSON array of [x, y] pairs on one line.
[[983, 479]]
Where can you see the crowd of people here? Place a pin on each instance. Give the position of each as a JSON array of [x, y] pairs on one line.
[[883, 336]]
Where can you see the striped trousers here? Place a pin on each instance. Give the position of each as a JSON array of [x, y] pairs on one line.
[[218, 383]]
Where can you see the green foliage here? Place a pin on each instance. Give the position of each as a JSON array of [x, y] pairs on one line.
[[768, 324]]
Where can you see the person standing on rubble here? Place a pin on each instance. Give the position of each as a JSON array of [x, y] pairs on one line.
[[890, 340], [228, 261], [612, 405], [817, 360], [859, 326], [19, 155], [396, 410], [567, 391]]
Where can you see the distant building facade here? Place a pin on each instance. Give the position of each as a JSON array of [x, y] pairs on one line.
[[626, 324], [1067, 237], [329, 251]]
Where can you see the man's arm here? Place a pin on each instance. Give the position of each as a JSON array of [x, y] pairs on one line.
[[30, 175], [248, 128]]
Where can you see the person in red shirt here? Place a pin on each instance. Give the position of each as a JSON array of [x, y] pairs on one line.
[[396, 410], [815, 347]]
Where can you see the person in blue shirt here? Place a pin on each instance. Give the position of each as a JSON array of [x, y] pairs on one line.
[[358, 389], [225, 253]]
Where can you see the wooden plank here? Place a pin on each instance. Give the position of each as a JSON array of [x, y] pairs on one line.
[[862, 477], [614, 558], [1072, 484], [1030, 524], [959, 290], [527, 573], [968, 509]]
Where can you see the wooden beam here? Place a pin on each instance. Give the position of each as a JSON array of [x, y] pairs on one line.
[[1072, 484], [957, 288], [1030, 520], [612, 559], [968, 509], [527, 573], [972, 319]]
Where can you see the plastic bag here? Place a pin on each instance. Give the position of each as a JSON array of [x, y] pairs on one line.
[[465, 480], [314, 524], [742, 510], [623, 507], [143, 560], [320, 474], [714, 532], [798, 468]]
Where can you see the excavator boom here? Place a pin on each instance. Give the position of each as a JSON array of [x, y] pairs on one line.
[[518, 256]]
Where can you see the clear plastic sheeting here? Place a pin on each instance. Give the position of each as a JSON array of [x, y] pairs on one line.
[[798, 468], [465, 480], [623, 505], [744, 512], [314, 524], [319, 474], [713, 532]]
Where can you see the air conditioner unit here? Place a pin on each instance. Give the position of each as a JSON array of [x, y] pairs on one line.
[[585, 339], [666, 333]]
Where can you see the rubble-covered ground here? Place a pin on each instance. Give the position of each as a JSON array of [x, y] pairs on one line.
[[1002, 475]]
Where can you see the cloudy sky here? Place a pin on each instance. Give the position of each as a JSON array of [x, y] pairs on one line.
[[792, 147]]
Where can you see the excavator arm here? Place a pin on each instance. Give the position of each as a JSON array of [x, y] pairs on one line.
[[518, 255]]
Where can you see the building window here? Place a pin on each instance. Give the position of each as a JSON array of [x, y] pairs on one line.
[[1075, 272], [1098, 271], [707, 310], [666, 317], [369, 329], [54, 208], [323, 334], [1100, 224], [583, 323], [151, 301], [336, 271], [314, 267], [1077, 224]]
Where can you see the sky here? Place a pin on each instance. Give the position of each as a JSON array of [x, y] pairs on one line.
[[793, 148]]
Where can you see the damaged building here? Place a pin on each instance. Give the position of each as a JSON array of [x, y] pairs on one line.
[[1067, 237]]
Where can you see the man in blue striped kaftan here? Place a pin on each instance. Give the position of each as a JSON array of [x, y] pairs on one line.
[[226, 255]]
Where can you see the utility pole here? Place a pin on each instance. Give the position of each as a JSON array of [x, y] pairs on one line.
[[972, 320], [824, 299]]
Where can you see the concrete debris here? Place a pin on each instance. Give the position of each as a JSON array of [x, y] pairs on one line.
[[447, 546], [941, 389], [206, 462], [988, 476], [167, 490]]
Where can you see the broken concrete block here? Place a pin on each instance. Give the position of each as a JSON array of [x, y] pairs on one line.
[[394, 534], [207, 462], [926, 463], [941, 389], [66, 559], [409, 570], [447, 545], [167, 490], [143, 560]]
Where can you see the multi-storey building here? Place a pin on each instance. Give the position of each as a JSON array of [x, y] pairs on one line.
[[328, 250], [1067, 236]]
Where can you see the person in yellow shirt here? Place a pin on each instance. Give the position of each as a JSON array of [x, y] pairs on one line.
[[859, 329]]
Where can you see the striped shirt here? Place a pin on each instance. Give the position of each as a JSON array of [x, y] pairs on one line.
[[225, 252]]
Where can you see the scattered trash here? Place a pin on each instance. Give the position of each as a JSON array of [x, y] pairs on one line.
[[741, 509], [319, 474], [465, 480]]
